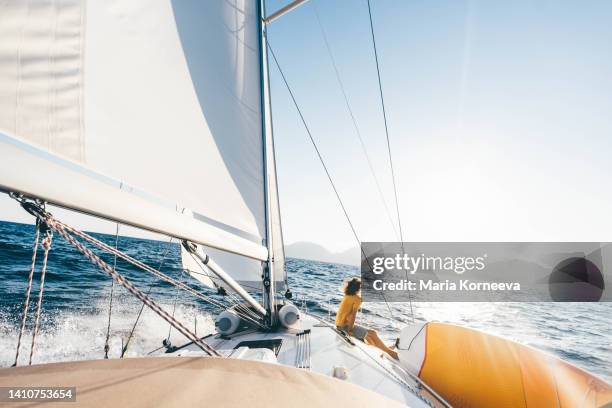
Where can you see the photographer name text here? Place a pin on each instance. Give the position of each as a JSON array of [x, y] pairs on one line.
[[447, 285]]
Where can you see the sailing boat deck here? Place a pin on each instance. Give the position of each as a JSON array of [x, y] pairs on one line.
[[318, 347]]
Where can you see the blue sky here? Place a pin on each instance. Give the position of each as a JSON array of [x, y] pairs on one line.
[[499, 117]]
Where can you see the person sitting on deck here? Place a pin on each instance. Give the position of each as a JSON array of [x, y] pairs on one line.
[[347, 312]]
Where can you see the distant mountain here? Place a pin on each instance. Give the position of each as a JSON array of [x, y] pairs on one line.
[[315, 252]]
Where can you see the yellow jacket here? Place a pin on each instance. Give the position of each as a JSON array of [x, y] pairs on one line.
[[348, 307]]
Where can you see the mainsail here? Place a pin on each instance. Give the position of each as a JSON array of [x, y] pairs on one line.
[[145, 112]]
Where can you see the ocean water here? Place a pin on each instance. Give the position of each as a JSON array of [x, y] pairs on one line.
[[76, 306]]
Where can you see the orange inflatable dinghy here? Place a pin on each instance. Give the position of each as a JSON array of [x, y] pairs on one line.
[[469, 368]]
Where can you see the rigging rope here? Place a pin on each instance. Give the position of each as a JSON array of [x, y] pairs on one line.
[[382, 101], [46, 245], [46, 219], [127, 343], [365, 257], [314, 144], [139, 264], [252, 319], [384, 112], [110, 304], [234, 300], [174, 305], [142, 306], [353, 119], [62, 230], [26, 304], [329, 176]]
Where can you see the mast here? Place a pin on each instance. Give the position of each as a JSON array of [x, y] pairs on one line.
[[273, 234], [268, 279]]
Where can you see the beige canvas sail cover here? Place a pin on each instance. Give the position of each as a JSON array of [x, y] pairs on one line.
[[159, 100], [192, 382]]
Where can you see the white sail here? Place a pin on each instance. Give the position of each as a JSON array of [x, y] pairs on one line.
[[158, 100]]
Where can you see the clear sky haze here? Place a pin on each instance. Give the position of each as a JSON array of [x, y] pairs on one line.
[[499, 114]]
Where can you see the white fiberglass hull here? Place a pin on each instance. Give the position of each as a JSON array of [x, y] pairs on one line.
[[325, 351]]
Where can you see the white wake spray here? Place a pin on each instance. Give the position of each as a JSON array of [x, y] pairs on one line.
[[72, 336]]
